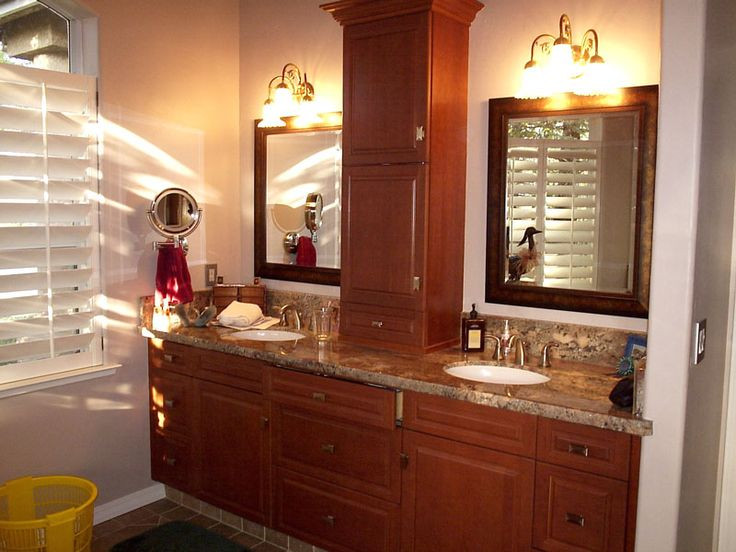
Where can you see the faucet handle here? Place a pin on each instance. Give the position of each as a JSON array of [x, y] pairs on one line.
[[497, 353], [545, 353]]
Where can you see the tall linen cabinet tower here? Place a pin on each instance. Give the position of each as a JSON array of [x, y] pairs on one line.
[[405, 72]]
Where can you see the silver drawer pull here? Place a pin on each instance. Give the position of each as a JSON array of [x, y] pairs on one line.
[[328, 448], [170, 461], [170, 403], [329, 520], [321, 397], [377, 323], [168, 357], [580, 450], [575, 519]]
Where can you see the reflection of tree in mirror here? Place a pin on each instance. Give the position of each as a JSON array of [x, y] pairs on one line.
[[551, 129]]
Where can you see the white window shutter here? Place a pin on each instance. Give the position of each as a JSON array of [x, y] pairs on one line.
[[49, 250]]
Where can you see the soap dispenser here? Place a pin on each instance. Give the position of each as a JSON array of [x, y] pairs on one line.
[[473, 332], [505, 340]]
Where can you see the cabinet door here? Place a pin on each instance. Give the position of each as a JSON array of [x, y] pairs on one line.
[[386, 82], [459, 497], [383, 234], [232, 449], [577, 511]]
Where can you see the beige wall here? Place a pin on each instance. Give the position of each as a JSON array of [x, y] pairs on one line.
[[169, 97]]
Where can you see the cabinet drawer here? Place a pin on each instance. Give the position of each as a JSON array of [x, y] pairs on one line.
[[578, 511], [362, 458], [586, 448], [170, 461], [376, 323], [172, 356], [233, 370], [340, 399], [475, 424], [171, 403], [332, 517]]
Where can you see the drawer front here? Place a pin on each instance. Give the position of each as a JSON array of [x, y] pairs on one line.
[[382, 324], [332, 517], [598, 451], [475, 424], [578, 511], [233, 370], [171, 402], [362, 458], [173, 357], [340, 399], [170, 462]]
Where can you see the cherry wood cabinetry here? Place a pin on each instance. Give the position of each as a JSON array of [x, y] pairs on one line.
[[337, 453], [325, 460], [585, 490], [405, 70]]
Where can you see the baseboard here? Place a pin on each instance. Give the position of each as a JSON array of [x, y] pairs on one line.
[[128, 503]]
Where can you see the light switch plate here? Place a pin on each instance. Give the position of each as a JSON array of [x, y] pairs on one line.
[[210, 274], [699, 341]]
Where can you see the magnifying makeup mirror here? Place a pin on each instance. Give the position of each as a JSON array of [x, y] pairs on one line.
[[174, 214]]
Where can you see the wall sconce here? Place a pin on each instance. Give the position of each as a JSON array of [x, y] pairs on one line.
[[289, 94], [562, 66]]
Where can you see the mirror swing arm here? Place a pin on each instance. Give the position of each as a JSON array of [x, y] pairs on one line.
[[504, 287]]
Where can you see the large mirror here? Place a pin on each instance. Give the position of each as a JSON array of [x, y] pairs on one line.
[[297, 200], [570, 201]]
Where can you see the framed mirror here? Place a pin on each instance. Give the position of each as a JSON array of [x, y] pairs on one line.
[[297, 201], [570, 201], [174, 213]]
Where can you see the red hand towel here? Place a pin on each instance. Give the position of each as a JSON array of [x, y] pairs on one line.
[[173, 283], [306, 254]]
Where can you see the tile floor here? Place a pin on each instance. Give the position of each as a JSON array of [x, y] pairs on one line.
[[110, 532]]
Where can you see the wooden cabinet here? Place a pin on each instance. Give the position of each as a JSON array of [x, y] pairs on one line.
[[209, 427], [461, 496], [585, 490], [336, 452], [324, 460], [404, 155]]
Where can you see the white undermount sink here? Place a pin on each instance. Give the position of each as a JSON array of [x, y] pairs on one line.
[[491, 373], [267, 335]]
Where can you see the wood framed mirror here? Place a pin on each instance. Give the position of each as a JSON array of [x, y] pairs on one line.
[[297, 200], [570, 201]]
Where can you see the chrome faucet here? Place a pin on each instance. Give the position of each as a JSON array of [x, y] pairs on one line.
[[284, 318], [517, 343]]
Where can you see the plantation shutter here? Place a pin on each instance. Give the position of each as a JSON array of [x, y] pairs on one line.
[[552, 185], [570, 225], [49, 254]]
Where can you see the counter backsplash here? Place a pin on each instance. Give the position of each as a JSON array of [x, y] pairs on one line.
[[578, 343]]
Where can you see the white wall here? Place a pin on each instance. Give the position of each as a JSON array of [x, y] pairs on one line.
[[169, 100]]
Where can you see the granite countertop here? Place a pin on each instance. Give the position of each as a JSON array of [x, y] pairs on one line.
[[576, 392]]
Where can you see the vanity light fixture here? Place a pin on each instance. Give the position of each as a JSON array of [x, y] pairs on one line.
[[562, 66], [289, 93]]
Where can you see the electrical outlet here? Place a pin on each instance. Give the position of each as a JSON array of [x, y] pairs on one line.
[[210, 274], [699, 341]]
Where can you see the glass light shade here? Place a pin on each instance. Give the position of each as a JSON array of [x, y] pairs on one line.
[[561, 61], [284, 100], [532, 83], [595, 80], [307, 112], [270, 116]]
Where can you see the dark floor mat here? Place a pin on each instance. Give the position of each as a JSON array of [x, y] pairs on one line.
[[178, 536]]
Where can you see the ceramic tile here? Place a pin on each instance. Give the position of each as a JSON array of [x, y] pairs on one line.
[[232, 520], [296, 545], [254, 529], [277, 538]]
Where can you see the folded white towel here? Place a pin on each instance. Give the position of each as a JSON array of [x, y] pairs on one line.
[[240, 315]]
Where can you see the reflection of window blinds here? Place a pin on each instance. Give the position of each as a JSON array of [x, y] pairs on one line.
[[48, 224], [565, 175]]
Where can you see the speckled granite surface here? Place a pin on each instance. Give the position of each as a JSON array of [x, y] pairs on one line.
[[576, 392]]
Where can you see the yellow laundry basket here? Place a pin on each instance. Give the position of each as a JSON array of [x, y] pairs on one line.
[[46, 514]]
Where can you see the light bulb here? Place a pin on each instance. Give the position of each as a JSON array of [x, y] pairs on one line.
[[532, 83], [283, 99]]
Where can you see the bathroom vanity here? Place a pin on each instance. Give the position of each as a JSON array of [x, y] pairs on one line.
[[357, 449]]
